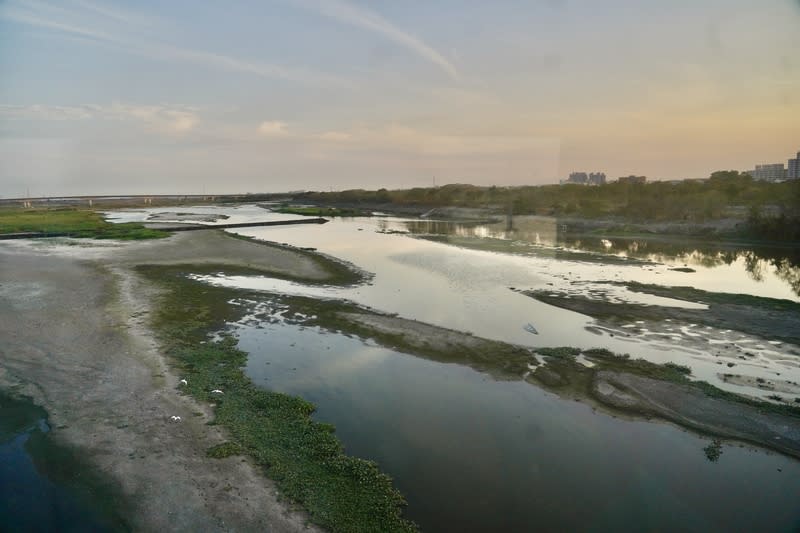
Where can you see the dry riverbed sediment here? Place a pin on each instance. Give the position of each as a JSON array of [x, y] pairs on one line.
[[73, 324]]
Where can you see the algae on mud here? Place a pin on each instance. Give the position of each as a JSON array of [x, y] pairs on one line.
[[304, 457]]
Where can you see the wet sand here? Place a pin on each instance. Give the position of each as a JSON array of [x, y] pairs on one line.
[[75, 339]]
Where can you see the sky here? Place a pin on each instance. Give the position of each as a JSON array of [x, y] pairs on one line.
[[188, 97]]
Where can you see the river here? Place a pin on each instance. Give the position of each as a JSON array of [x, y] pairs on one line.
[[475, 454]]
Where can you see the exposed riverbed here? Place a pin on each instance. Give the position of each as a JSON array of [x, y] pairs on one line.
[[465, 284], [473, 453]]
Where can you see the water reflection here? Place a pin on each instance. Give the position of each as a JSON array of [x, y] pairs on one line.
[[546, 235], [474, 454], [42, 486]]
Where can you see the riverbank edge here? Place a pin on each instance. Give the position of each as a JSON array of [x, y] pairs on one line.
[[732, 231], [561, 374], [211, 494], [64, 465], [303, 457]]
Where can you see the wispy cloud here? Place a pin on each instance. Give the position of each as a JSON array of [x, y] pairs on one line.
[[160, 118], [77, 23], [29, 18], [273, 128], [399, 138], [120, 15], [371, 21]]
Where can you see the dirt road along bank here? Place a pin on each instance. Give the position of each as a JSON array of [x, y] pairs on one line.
[[74, 339]]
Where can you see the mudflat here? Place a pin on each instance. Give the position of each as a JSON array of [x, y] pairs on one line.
[[75, 339]]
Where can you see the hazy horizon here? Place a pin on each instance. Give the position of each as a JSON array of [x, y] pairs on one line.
[[145, 98]]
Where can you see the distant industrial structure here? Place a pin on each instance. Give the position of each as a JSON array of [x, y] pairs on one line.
[[582, 178], [776, 171]]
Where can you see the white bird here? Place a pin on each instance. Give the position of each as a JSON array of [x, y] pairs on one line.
[[184, 382], [217, 391], [175, 418]]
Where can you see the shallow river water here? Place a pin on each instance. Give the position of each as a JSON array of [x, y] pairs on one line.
[[474, 454]]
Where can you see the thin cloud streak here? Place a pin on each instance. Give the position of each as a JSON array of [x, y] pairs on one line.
[[124, 16], [161, 51], [33, 20], [368, 20], [160, 118]]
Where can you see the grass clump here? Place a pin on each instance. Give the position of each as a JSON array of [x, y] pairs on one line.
[[682, 369], [713, 451], [304, 457], [602, 352], [226, 449], [561, 352], [71, 222]]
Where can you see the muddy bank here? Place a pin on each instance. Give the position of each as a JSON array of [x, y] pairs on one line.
[[690, 407], [75, 340], [768, 318]]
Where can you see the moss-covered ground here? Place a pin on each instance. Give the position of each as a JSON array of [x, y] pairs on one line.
[[71, 222]]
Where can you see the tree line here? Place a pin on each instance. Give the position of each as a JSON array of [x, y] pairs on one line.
[[723, 194]]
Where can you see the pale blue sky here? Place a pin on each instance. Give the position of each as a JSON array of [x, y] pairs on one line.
[[129, 97]]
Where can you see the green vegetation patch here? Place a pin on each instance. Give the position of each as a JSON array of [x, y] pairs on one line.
[[226, 449], [560, 352], [713, 451], [72, 222], [304, 457]]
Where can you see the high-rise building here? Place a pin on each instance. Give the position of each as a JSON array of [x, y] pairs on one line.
[[793, 169], [582, 178], [771, 172], [578, 177], [597, 178]]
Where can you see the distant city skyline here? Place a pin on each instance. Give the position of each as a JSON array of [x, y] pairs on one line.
[[192, 97]]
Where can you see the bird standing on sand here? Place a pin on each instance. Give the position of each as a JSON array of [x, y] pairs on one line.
[[175, 418]]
